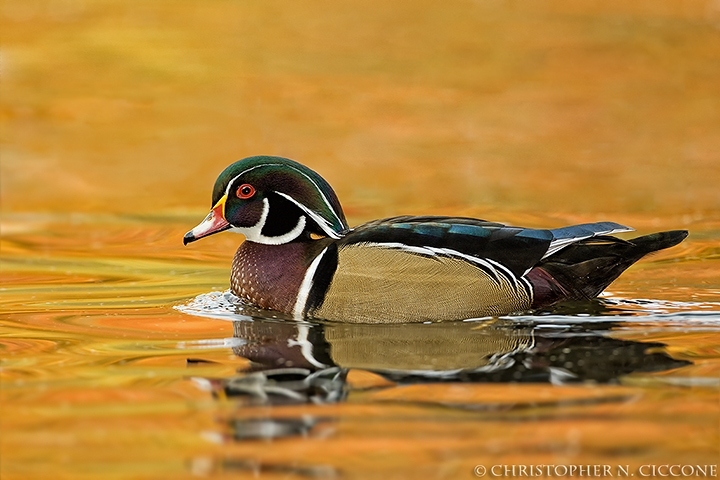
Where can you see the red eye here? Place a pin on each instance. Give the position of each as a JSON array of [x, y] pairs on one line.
[[245, 191]]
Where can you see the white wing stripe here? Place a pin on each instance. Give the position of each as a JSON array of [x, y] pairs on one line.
[[528, 288], [560, 243], [491, 266]]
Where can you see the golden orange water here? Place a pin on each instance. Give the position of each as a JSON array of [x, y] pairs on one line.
[[117, 117]]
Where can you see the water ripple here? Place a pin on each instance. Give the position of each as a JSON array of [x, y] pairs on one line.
[[226, 306]]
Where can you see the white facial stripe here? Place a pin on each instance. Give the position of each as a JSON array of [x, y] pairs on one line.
[[317, 218], [254, 233], [317, 187], [327, 202], [227, 189], [306, 286]]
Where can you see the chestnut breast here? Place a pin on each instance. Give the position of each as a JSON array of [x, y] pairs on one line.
[[269, 276]]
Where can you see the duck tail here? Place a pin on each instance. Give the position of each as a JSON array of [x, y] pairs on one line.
[[584, 269]]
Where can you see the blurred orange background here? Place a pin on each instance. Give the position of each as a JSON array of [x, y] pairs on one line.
[[586, 108]]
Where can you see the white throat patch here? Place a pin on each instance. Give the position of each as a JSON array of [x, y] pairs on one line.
[[254, 233]]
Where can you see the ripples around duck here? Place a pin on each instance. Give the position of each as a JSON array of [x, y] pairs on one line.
[[116, 360]]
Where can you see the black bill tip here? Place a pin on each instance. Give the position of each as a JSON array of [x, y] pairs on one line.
[[189, 238]]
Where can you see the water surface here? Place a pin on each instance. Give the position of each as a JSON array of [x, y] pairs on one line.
[[117, 365]]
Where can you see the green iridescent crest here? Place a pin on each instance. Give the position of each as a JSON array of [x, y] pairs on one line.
[[289, 178]]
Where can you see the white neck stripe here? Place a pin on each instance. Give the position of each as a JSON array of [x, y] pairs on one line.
[[254, 233]]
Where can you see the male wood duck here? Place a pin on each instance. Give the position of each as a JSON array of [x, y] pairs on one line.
[[301, 258]]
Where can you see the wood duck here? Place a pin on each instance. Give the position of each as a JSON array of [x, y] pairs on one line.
[[301, 258]]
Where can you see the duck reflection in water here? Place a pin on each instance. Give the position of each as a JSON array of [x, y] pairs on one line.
[[301, 362], [297, 363]]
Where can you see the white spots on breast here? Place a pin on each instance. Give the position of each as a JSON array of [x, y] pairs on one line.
[[244, 279]]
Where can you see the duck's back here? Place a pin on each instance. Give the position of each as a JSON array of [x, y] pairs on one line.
[[417, 269]]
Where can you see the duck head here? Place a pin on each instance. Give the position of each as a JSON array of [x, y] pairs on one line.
[[271, 200]]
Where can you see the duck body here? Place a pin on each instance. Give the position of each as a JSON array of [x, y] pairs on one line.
[[301, 258]]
